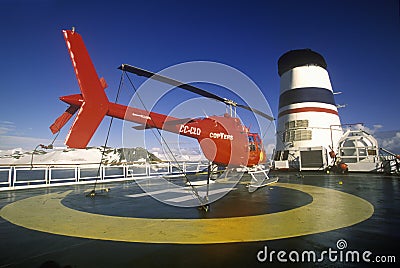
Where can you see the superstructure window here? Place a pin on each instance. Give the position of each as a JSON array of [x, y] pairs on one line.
[[296, 124], [297, 135], [296, 130]]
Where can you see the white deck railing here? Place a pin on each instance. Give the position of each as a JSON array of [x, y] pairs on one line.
[[13, 177]]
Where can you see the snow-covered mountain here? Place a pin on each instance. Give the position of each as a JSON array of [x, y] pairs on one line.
[[76, 156], [191, 154]]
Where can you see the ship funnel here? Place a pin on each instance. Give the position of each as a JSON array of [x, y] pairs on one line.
[[308, 121]]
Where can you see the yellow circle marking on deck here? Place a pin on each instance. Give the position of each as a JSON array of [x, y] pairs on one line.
[[329, 210]]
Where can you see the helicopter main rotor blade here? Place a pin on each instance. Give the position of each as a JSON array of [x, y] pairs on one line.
[[170, 81], [270, 118], [199, 91]]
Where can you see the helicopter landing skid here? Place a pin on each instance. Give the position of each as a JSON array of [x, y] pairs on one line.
[[259, 178]]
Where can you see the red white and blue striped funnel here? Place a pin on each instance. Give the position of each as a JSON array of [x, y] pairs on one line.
[[307, 115]]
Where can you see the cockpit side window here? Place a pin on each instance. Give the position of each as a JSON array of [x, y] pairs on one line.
[[252, 144]]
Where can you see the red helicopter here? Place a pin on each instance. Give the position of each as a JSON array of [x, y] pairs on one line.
[[224, 140]]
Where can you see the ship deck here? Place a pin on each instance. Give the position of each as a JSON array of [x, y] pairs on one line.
[[123, 227]]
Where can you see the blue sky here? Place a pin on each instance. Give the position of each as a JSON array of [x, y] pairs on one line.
[[360, 41]]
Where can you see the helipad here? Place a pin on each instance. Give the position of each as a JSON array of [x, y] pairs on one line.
[[126, 227]]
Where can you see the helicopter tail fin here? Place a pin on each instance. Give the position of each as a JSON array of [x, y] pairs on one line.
[[95, 102]]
